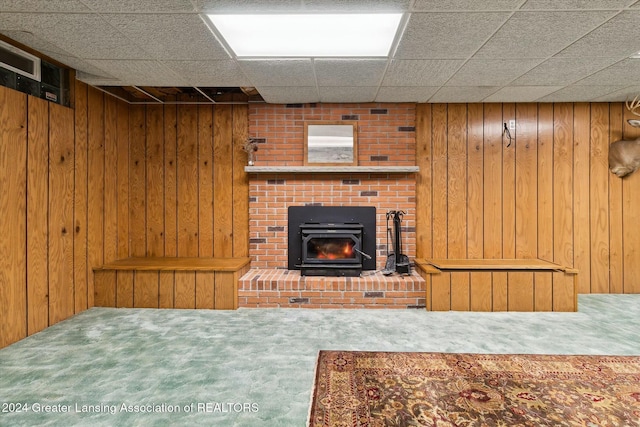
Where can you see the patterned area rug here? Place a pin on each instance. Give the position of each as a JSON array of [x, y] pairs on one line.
[[445, 389]]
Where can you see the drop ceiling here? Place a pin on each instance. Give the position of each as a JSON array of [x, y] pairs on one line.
[[448, 51]]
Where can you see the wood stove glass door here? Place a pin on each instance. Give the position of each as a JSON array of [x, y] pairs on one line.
[[330, 248]]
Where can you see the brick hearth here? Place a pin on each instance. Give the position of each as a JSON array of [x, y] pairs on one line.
[[286, 288]]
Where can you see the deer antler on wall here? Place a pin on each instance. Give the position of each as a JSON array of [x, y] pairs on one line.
[[624, 155], [633, 107]]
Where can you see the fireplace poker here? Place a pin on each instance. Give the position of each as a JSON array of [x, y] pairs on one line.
[[367, 256], [390, 265]]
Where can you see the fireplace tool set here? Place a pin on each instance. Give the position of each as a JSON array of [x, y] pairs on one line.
[[397, 261]]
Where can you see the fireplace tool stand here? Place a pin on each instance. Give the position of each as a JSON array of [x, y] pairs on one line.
[[397, 261]]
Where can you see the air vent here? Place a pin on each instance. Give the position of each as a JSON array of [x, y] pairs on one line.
[[19, 61]]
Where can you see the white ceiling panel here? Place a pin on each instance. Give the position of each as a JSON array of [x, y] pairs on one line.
[[491, 72], [43, 46], [84, 35], [248, 6], [140, 5], [258, 6], [629, 92], [447, 35], [289, 95], [355, 5], [92, 38], [563, 71], [625, 72], [42, 6], [576, 4], [149, 31], [36, 23], [618, 37], [347, 94], [198, 73], [448, 51], [405, 94], [540, 34], [88, 68], [478, 5], [140, 73], [274, 72], [98, 80], [420, 73], [521, 93], [579, 93], [463, 94], [345, 72]]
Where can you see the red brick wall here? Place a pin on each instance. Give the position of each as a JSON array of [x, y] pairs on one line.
[[386, 133], [386, 136]]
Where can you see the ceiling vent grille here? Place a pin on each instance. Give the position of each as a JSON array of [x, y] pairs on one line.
[[19, 61]]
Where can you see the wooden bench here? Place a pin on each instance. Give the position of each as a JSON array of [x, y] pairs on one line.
[[170, 282], [498, 285]]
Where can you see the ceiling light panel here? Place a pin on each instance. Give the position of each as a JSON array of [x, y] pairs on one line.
[[308, 35]]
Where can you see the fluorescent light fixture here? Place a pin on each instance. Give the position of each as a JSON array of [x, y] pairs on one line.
[[308, 35], [635, 56]]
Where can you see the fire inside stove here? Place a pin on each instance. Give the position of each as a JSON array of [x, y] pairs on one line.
[[332, 249]]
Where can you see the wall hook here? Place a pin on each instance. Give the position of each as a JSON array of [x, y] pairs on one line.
[[506, 131]]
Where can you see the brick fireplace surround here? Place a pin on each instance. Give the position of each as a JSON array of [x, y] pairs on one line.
[[386, 137]]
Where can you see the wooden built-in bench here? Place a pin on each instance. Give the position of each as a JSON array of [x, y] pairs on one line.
[[170, 282], [498, 285]]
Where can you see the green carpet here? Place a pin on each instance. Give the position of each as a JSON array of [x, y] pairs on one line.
[[255, 366]]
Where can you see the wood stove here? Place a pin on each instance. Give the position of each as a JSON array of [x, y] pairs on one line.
[[332, 240]]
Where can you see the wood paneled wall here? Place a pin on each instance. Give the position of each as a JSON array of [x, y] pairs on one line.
[[105, 180], [36, 227], [188, 193], [165, 181], [548, 194], [184, 193]]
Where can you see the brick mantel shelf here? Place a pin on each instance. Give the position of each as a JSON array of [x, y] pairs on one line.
[[331, 169]]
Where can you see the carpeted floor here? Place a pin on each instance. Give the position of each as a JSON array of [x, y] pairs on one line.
[[251, 367], [369, 389]]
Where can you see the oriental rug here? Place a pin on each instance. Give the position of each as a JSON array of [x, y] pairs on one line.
[[447, 389]]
